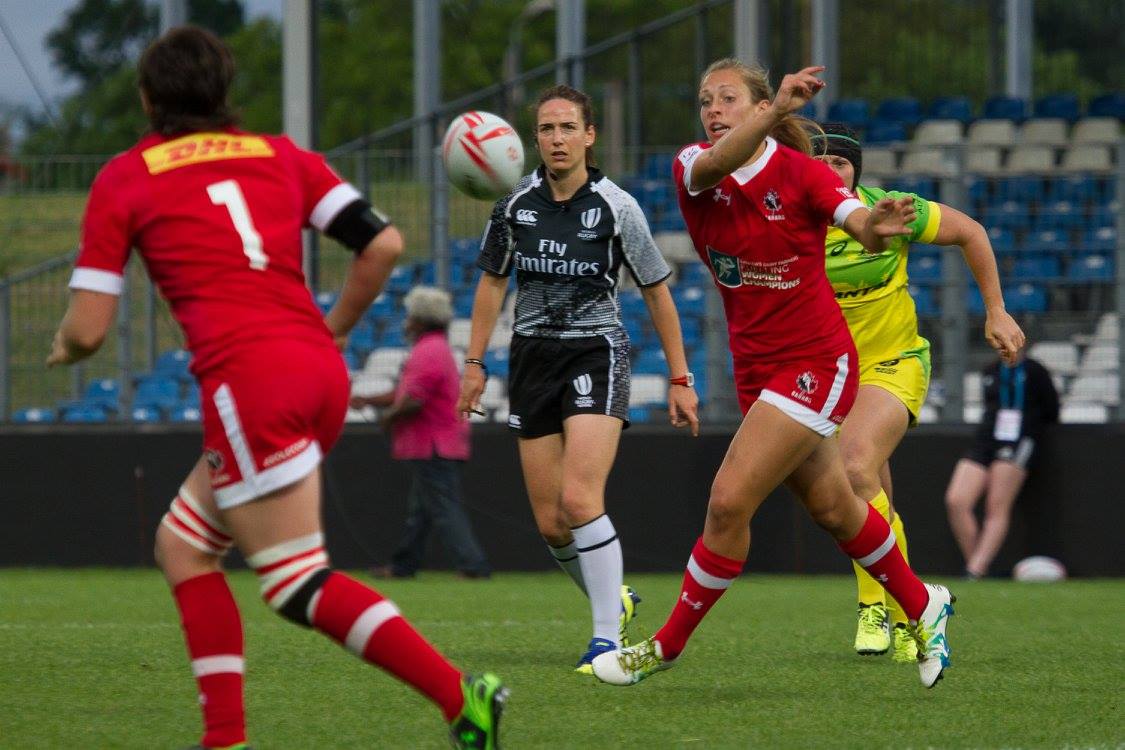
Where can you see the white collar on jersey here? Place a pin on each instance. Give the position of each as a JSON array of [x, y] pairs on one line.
[[744, 174]]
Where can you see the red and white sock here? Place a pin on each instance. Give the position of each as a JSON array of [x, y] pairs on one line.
[[213, 630], [874, 550], [370, 626], [708, 576]]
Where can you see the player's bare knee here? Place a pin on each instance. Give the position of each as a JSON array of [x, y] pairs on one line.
[[726, 510]]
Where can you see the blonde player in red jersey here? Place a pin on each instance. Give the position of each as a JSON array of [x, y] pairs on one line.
[[756, 206], [216, 215]]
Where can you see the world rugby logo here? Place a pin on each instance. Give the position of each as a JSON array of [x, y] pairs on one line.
[[807, 382], [591, 217], [584, 384]]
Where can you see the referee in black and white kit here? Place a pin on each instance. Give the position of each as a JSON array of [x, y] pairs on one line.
[[566, 231], [1020, 402]]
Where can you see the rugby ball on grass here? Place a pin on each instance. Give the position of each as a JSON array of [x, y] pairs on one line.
[[483, 155], [1040, 569]]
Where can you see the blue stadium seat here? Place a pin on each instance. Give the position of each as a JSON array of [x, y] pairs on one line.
[[1103, 216], [1091, 268], [362, 339], [980, 188], [1047, 241], [1079, 188], [157, 392], [669, 221], [392, 335], [1006, 214], [1058, 105], [465, 248], [1031, 298], [382, 308], [658, 167], [191, 397], [924, 302], [34, 415], [103, 392], [352, 361], [425, 273], [174, 364], [185, 414], [1058, 215], [693, 273], [145, 414], [651, 361], [923, 186], [1099, 240], [463, 303], [639, 414], [1024, 189], [325, 300], [402, 278], [497, 362], [85, 415], [852, 112], [951, 108], [1039, 268], [690, 300], [904, 109], [923, 268], [1002, 239], [885, 131], [1108, 105], [1005, 108]]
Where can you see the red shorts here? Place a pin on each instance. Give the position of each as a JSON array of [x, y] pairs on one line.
[[269, 416], [818, 392]]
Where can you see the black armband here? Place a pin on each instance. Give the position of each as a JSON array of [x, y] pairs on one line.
[[356, 225]]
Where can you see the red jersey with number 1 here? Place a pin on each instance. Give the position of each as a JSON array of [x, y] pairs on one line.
[[761, 232], [217, 219]]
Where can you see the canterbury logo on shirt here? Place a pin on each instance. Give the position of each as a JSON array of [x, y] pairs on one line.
[[527, 217], [204, 147]]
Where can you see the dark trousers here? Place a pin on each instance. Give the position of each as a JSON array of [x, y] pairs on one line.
[[435, 503]]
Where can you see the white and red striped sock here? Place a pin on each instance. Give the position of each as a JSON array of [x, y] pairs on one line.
[[874, 550], [213, 631], [370, 626], [707, 578]]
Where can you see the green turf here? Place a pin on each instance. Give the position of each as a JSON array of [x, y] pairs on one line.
[[93, 659]]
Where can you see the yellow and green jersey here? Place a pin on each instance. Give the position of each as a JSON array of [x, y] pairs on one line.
[[871, 287]]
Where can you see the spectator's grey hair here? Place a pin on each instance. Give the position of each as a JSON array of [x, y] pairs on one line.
[[430, 306]]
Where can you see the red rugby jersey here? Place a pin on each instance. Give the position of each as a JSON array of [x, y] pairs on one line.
[[761, 232], [217, 219]]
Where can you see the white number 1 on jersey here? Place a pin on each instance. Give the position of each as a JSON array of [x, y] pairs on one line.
[[228, 193]]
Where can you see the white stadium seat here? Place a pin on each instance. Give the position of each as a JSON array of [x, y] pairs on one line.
[[878, 161], [928, 414], [1024, 159], [1056, 356], [929, 161], [1095, 389], [1100, 358], [1079, 412], [935, 133], [648, 389], [983, 160], [973, 413], [459, 329], [1096, 130], [1107, 328], [1000, 133], [1044, 131], [972, 388], [1087, 158], [385, 362], [495, 393]]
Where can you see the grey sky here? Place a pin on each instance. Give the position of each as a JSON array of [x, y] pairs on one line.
[[30, 21]]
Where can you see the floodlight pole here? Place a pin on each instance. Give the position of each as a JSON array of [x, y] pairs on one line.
[[172, 13], [751, 32], [1019, 30], [826, 52], [298, 100], [427, 83], [570, 41]]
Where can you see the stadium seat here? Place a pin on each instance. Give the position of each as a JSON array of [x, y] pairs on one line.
[[1087, 158], [385, 362], [104, 392], [184, 414], [1106, 130], [145, 414], [1047, 241], [651, 361], [1000, 133], [85, 415], [924, 268], [658, 166], [924, 302], [459, 330], [648, 389], [1023, 189], [1058, 215], [1108, 105], [1006, 215], [1100, 388], [1064, 106], [1044, 131], [1099, 240], [174, 364], [1079, 412], [1079, 188], [157, 392], [639, 414], [1101, 357], [928, 161], [690, 300], [904, 109], [927, 187], [979, 188], [951, 108], [362, 338], [938, 133], [1026, 159], [34, 415], [1031, 298], [324, 301], [1002, 239], [1005, 107], [853, 112], [878, 161], [1091, 268], [1037, 268], [1059, 356], [885, 131], [1104, 216]]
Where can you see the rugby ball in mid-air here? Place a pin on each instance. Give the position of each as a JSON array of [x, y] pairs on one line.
[[1039, 569], [483, 155]]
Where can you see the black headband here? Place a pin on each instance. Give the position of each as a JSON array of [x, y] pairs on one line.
[[838, 144]]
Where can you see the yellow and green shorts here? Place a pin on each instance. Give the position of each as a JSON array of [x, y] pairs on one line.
[[906, 375]]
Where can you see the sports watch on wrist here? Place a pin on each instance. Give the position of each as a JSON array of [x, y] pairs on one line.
[[685, 380]]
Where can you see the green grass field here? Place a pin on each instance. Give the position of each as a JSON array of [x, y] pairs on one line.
[[94, 659]]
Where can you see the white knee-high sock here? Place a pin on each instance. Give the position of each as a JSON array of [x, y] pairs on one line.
[[599, 553], [567, 558]]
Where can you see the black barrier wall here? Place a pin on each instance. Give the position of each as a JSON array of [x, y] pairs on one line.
[[84, 496]]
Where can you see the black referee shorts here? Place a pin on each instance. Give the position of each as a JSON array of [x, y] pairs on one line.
[[552, 379], [1019, 452]]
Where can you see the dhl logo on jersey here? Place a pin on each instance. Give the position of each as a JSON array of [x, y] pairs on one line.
[[203, 147]]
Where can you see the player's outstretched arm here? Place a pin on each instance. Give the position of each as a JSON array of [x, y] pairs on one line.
[[874, 228], [740, 143], [486, 309], [1001, 330], [366, 278], [683, 402], [84, 327]]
